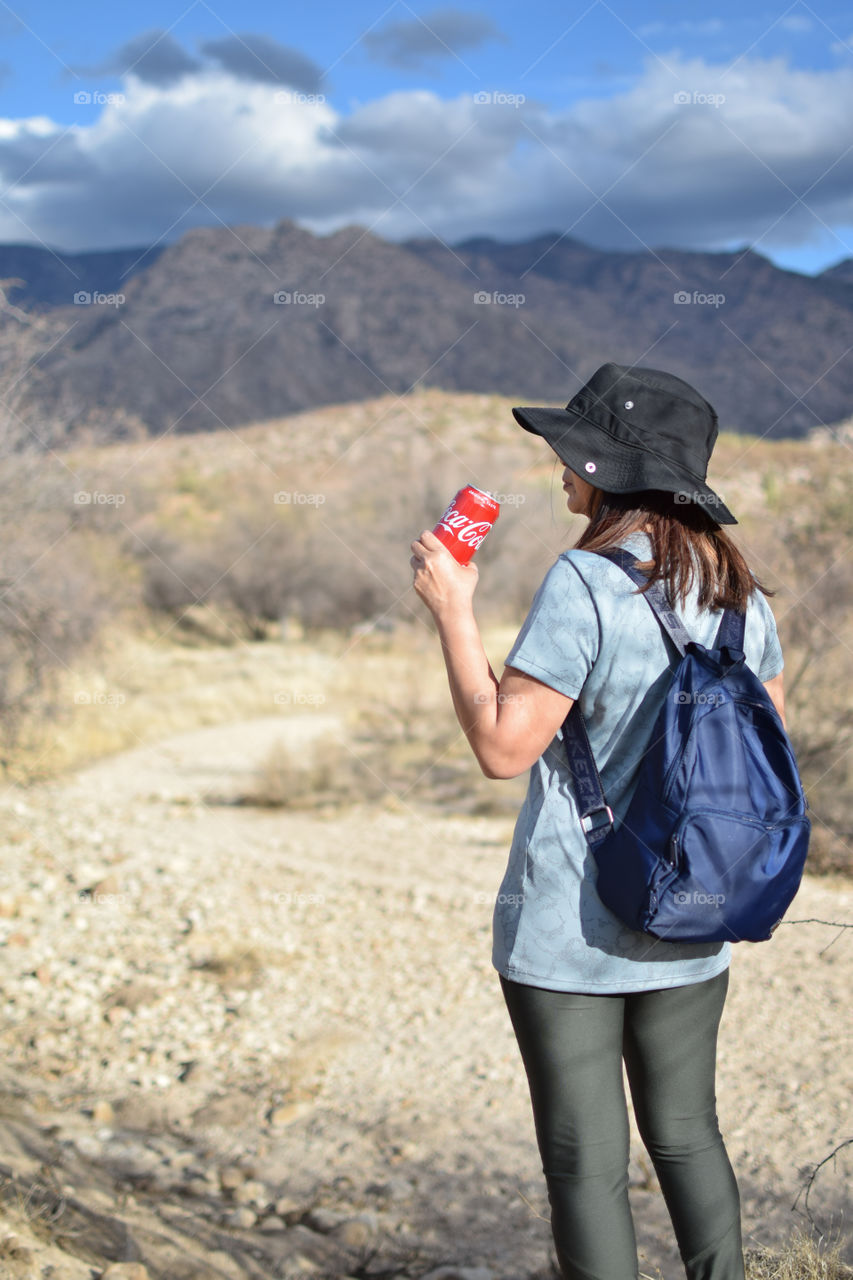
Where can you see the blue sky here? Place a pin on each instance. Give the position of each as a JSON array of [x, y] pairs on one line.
[[626, 125]]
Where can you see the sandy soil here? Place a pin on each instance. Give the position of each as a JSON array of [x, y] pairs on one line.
[[261, 1043]]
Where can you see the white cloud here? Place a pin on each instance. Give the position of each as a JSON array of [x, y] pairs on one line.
[[842, 47], [796, 22], [724, 165]]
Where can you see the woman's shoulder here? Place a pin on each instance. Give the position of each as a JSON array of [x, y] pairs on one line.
[[638, 543], [594, 567]]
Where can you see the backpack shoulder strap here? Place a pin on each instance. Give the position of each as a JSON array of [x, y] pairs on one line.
[[732, 625], [655, 597], [732, 631], [589, 793]]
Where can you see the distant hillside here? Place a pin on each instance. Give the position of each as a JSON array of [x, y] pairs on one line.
[[199, 341], [842, 271], [49, 279]]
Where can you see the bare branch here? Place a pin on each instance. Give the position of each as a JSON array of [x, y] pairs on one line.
[[810, 1181]]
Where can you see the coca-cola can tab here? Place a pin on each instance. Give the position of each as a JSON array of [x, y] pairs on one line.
[[466, 522]]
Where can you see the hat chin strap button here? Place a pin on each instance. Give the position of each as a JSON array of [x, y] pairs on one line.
[[590, 467]]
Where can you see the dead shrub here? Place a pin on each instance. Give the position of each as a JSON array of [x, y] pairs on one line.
[[805, 1257], [52, 599], [813, 528]]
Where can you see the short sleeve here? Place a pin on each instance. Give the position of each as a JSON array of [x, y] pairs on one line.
[[561, 636], [772, 661]]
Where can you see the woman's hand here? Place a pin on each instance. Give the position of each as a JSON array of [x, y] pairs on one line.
[[509, 723], [444, 585]]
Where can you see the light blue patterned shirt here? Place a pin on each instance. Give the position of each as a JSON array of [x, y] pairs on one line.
[[588, 635]]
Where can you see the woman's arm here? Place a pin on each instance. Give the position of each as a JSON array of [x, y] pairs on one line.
[[777, 695], [508, 722]]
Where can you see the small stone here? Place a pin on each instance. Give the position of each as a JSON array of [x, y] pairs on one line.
[[221, 1260], [43, 974], [251, 1193], [182, 1159], [273, 1223], [243, 1218], [304, 1265], [324, 1220], [88, 1146], [166, 1178], [102, 1113], [286, 1207], [106, 887], [8, 906], [282, 1116], [198, 1187], [131, 1159], [125, 1271], [354, 1233], [230, 1177]]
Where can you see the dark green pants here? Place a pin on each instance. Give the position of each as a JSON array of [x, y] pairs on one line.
[[573, 1047]]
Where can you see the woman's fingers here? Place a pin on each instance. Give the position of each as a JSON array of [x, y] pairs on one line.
[[440, 581], [427, 542]]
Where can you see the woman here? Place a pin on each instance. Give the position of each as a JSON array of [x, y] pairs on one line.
[[584, 992]]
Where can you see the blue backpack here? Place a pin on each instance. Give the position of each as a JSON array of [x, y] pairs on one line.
[[714, 840]]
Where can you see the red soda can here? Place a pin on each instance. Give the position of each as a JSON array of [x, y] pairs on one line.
[[466, 522]]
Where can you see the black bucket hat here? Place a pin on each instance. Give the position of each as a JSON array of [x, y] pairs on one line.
[[631, 428]]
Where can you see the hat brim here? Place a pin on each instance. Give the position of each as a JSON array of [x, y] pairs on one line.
[[588, 451]]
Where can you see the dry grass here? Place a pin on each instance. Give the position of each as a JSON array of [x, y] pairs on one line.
[[804, 1258], [145, 687], [401, 744], [399, 740]]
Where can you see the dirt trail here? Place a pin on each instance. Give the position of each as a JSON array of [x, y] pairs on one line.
[[193, 987]]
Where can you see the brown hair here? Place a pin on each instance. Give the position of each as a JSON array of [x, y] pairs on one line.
[[686, 542]]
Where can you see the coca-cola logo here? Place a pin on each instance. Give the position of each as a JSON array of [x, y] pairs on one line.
[[467, 531]]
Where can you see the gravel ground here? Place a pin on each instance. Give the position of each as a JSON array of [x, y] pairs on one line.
[[263, 1043]]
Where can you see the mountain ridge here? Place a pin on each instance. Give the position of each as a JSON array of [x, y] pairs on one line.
[[230, 325]]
